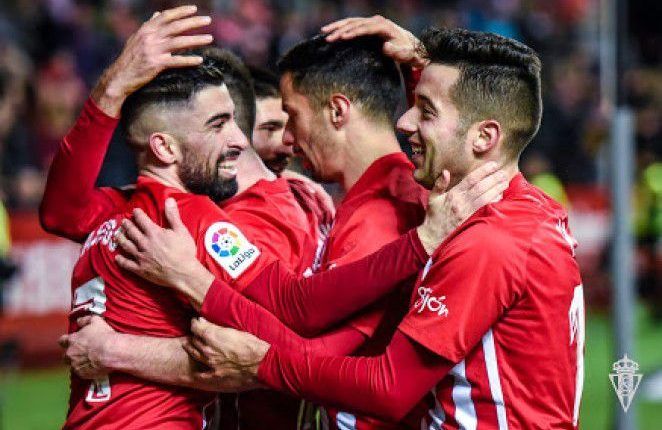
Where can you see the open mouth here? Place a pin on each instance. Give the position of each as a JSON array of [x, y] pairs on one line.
[[228, 162], [417, 153]]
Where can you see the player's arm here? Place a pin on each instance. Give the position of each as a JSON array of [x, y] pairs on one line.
[[441, 328], [72, 205], [97, 350], [387, 386]]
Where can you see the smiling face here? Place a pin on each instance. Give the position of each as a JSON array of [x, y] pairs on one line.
[[270, 122], [435, 130], [210, 143], [309, 134]]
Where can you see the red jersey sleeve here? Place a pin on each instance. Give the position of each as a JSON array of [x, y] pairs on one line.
[[387, 386], [226, 249], [72, 206], [471, 282], [304, 304], [236, 311]]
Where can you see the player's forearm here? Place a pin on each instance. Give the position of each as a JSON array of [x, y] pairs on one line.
[[231, 309], [387, 386], [72, 204], [312, 305], [161, 360], [110, 92]]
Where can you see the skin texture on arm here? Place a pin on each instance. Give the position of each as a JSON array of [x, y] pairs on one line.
[[72, 206], [96, 350]]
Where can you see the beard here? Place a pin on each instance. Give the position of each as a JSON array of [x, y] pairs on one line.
[[199, 178], [278, 163]]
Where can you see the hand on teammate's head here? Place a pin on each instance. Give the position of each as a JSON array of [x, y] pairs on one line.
[[399, 44], [151, 49]]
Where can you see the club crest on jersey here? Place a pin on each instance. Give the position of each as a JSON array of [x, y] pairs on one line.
[[230, 248], [427, 302]]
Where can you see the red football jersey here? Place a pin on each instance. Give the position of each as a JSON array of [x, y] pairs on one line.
[[285, 220], [503, 299], [384, 203], [132, 305], [290, 226]]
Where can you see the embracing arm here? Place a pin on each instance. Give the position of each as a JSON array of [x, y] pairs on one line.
[[96, 350], [304, 304], [387, 386]]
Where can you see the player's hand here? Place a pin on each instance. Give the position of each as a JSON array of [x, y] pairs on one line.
[[399, 44], [85, 349], [164, 256], [318, 190], [149, 51], [448, 208], [231, 356]]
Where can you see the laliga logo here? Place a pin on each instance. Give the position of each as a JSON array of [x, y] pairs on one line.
[[433, 304], [625, 380], [225, 243]]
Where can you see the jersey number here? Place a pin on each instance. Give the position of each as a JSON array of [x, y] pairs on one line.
[[91, 297]]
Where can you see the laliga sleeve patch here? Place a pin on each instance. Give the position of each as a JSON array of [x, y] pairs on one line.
[[230, 248]]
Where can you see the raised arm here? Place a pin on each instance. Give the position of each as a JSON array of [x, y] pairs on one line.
[[72, 205]]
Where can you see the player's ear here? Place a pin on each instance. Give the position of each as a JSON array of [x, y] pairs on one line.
[[164, 147], [485, 135], [339, 109]]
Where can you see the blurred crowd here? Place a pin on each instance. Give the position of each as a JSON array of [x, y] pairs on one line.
[[52, 52]]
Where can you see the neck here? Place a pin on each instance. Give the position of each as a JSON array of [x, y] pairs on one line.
[[163, 175], [251, 169], [364, 147]]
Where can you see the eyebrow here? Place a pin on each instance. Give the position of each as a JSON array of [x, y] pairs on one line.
[[273, 123], [224, 115], [426, 99]]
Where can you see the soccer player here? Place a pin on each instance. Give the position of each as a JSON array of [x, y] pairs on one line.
[[494, 334]]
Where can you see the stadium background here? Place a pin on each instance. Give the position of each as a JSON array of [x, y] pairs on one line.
[[52, 51]]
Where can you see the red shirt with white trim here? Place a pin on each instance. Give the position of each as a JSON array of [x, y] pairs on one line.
[[382, 205], [131, 305], [503, 299]]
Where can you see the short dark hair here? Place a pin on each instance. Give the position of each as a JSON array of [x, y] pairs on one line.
[[170, 87], [356, 68], [265, 83], [240, 85], [499, 79]]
